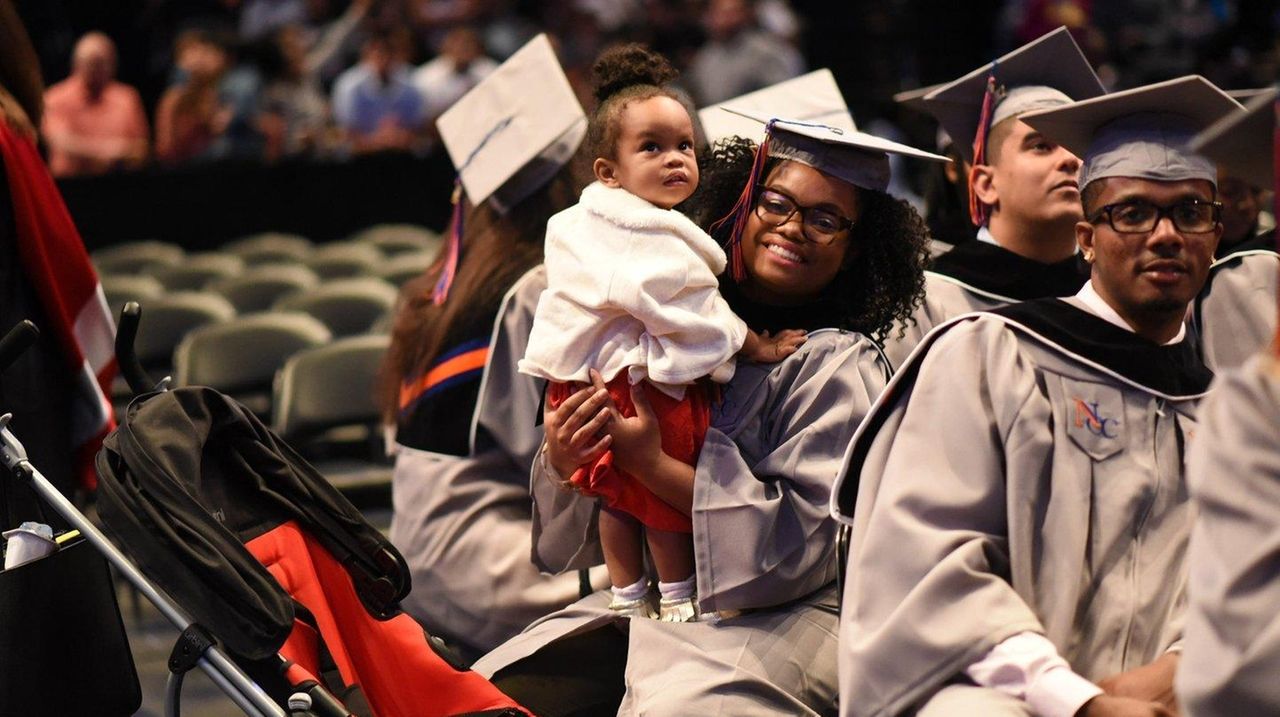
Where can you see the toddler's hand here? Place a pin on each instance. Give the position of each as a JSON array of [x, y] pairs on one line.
[[772, 349]]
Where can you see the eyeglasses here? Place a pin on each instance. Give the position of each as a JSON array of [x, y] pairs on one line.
[[820, 226], [1137, 216]]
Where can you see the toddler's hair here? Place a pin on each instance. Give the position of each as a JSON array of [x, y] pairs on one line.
[[624, 74]]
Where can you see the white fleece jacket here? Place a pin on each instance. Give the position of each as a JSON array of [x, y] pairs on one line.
[[631, 286]]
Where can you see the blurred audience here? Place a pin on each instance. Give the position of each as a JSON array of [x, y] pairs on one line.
[[738, 57], [375, 103], [295, 112], [459, 67], [92, 123], [190, 115]]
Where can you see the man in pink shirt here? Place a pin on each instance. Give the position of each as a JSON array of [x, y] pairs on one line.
[[93, 124]]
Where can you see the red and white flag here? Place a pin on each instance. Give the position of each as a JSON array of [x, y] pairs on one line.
[[57, 266]]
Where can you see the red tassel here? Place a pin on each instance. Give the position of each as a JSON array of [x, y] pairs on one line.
[[742, 210], [979, 212], [453, 251], [1275, 207]]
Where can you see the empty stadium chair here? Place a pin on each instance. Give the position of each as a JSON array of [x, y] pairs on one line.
[[344, 259], [261, 286], [169, 318], [400, 268], [123, 288], [136, 257], [324, 405], [271, 248], [198, 270], [395, 239], [346, 306], [240, 357]]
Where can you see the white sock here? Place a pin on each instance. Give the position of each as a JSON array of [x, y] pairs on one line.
[[635, 591], [679, 590]]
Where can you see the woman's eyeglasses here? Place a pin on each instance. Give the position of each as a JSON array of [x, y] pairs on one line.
[[820, 226], [1138, 216]]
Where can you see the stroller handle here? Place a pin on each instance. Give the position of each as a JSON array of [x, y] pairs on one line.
[[126, 356], [19, 339]]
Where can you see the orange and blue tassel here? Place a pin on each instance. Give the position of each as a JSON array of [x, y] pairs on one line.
[[979, 213]]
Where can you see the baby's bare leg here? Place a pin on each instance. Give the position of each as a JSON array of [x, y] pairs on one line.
[[623, 551], [672, 554]]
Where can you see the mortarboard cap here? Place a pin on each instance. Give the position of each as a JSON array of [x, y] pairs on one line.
[[1242, 142], [814, 97], [915, 100], [1243, 96], [1046, 72], [515, 129], [1141, 132]]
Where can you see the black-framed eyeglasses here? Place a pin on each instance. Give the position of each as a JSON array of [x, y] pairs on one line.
[[1138, 216], [820, 226]]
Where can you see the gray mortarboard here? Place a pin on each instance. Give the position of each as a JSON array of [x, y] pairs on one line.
[[515, 129], [1243, 143], [1048, 72], [1243, 96], [814, 97], [1141, 132], [915, 100], [854, 157]]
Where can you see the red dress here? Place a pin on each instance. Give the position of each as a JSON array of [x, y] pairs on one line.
[[683, 424]]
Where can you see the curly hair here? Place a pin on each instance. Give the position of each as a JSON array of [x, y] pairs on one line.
[[624, 74], [881, 287]]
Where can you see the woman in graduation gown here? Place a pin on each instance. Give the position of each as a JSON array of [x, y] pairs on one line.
[[764, 545]]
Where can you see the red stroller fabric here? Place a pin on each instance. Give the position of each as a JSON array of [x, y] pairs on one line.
[[392, 662]]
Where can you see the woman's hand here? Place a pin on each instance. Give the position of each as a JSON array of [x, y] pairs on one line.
[[575, 430], [637, 442]]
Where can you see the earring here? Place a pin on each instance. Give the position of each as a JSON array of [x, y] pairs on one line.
[[1088, 257]]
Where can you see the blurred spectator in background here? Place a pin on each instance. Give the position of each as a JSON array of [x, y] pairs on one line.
[[331, 42], [738, 57], [375, 102], [93, 124], [295, 113], [190, 115], [260, 18], [459, 67]]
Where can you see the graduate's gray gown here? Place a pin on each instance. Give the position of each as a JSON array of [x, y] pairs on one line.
[[1236, 312], [462, 523], [1010, 486], [944, 299], [763, 540], [1231, 658]]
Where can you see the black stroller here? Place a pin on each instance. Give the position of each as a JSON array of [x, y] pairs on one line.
[[295, 596]]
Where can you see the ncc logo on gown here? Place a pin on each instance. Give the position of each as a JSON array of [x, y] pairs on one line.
[[1089, 417]]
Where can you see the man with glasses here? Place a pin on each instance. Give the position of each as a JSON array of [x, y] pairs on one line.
[[1023, 193], [1018, 500]]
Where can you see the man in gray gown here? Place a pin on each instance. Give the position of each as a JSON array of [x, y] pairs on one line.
[[1232, 653], [1024, 198], [1017, 498], [1235, 315]]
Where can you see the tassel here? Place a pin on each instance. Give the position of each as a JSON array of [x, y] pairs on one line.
[[979, 212], [742, 209], [1275, 207], [453, 250]]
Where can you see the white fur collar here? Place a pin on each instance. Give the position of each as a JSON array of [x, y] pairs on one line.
[[627, 211]]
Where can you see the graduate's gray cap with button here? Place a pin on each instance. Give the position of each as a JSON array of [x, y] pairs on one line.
[[1049, 71], [814, 97], [515, 129], [1140, 133], [858, 158], [1242, 143]]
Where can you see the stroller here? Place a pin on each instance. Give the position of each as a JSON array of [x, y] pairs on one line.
[[295, 597]]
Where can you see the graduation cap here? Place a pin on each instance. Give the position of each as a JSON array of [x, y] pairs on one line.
[[509, 136], [915, 100], [1141, 132], [1047, 72], [814, 97], [857, 158], [1242, 143]]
